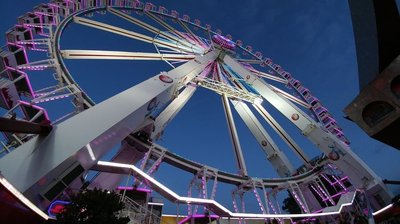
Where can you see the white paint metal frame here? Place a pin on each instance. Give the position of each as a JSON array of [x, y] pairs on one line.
[[24, 167]]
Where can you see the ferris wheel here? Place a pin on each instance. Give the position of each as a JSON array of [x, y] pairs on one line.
[[42, 157]]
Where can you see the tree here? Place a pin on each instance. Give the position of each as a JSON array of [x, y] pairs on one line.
[[93, 206], [290, 205]]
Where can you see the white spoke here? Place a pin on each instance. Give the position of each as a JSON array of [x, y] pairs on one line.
[[268, 76], [130, 34], [150, 28], [123, 55], [282, 133], [249, 61], [168, 27], [200, 41], [290, 97]]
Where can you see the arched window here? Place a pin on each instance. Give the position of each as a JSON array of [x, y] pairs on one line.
[[395, 86], [375, 112]]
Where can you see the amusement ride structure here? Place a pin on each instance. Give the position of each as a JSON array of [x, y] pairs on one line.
[[41, 158]]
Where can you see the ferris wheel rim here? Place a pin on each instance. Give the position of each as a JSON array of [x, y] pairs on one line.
[[67, 77]]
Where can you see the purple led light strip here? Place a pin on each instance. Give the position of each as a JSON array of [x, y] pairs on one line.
[[163, 190], [335, 195], [327, 197], [133, 188], [316, 191], [299, 201]]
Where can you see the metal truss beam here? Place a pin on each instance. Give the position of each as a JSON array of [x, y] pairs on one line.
[[230, 91]]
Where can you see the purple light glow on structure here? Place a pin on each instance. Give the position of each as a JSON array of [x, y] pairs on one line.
[[53, 98], [38, 13], [37, 49], [204, 185], [326, 195], [299, 201], [34, 67], [271, 205], [337, 181], [223, 42], [163, 190], [133, 188], [316, 191], [31, 42], [335, 195], [340, 183], [30, 32], [259, 201]]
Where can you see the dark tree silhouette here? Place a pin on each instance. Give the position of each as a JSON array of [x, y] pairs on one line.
[[93, 206], [290, 205]]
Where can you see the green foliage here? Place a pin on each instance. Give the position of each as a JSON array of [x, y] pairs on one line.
[[93, 206], [290, 205]]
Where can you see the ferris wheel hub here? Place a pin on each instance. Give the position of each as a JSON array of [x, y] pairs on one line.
[[223, 42]]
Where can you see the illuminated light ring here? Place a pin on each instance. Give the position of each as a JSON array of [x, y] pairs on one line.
[[223, 42], [213, 205], [216, 37], [225, 177]]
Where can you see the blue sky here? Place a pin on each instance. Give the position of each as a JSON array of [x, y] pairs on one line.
[[313, 40]]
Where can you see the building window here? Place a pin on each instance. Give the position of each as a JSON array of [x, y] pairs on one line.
[[375, 112]]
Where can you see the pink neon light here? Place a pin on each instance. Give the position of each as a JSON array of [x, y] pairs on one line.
[[316, 191], [326, 195], [337, 181], [335, 195], [132, 188], [299, 201]]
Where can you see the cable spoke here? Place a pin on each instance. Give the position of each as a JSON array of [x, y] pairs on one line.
[[131, 34], [194, 36], [123, 55], [290, 97], [167, 26], [268, 76], [151, 28], [249, 61]]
